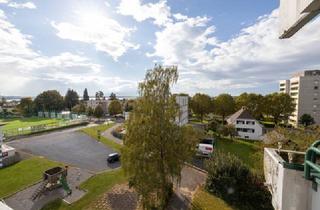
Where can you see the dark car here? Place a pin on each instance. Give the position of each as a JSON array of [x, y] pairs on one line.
[[113, 157]]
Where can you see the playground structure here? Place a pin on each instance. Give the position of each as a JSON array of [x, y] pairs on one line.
[[52, 179]]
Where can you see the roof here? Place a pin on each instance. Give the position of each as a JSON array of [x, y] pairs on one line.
[[243, 113]]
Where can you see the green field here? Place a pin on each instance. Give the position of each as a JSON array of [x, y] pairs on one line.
[[27, 122], [249, 152], [205, 201], [23, 174], [96, 187], [93, 132]]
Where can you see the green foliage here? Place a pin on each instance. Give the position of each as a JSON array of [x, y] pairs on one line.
[[79, 108], [224, 105], [113, 96], [203, 200], [129, 105], [231, 180], [306, 120], [100, 95], [115, 107], [98, 112], [89, 111], [26, 107], [253, 102], [201, 104], [279, 105], [227, 130], [155, 148], [49, 100], [86, 95], [71, 99]]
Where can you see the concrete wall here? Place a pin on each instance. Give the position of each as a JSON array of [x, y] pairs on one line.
[[289, 189]]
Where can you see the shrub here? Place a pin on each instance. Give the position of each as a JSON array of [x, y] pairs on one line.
[[231, 180]]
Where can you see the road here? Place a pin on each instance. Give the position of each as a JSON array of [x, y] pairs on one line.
[[71, 147]]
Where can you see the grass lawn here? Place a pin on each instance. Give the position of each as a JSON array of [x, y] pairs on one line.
[[205, 201], [22, 174], [249, 152], [93, 132], [96, 186], [26, 122]]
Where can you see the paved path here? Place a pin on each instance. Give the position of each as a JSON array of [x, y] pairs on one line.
[[22, 201], [74, 148], [109, 135]]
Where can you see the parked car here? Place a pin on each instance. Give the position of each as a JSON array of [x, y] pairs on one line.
[[205, 147], [113, 157]]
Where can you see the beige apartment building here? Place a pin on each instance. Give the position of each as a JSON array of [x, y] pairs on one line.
[[304, 88]]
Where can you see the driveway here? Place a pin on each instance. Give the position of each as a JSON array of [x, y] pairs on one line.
[[73, 148]]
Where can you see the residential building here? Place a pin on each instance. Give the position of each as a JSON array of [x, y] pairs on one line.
[[247, 126], [182, 101], [304, 88]]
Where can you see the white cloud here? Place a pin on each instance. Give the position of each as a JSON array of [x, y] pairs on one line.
[[26, 5], [24, 71], [106, 34], [4, 1], [159, 12], [254, 58]]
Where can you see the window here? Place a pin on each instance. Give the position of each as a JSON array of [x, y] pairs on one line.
[[294, 83], [316, 87], [293, 94], [240, 122], [250, 122], [294, 88]]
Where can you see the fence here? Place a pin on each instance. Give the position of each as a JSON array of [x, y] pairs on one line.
[[41, 128]]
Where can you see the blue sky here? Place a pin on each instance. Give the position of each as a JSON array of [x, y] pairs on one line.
[[219, 45]]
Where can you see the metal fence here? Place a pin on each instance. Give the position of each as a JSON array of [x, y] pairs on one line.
[[41, 127]]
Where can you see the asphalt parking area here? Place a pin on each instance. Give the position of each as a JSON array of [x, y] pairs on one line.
[[73, 148]]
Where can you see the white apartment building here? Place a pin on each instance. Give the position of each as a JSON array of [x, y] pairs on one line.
[[247, 127], [182, 101], [304, 88]]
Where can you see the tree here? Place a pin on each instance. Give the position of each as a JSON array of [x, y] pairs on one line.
[[71, 99], [227, 130], [201, 104], [79, 108], [253, 102], [232, 180], [26, 107], [224, 105], [128, 106], [50, 100], [98, 112], [112, 96], [89, 111], [114, 107], [155, 148], [279, 105], [100, 96], [306, 120], [85, 95]]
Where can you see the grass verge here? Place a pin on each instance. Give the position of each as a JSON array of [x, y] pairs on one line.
[[23, 174], [93, 132], [27, 122], [205, 201], [96, 186]]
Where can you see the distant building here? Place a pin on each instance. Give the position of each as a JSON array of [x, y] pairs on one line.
[[182, 101], [247, 127], [304, 89]]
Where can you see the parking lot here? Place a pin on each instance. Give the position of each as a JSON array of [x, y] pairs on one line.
[[72, 148]]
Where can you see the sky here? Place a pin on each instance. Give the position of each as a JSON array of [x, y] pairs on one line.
[[219, 46]]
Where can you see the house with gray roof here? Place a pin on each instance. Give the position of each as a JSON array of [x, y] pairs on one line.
[[246, 125]]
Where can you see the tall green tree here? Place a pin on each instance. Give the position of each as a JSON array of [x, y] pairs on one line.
[[115, 107], [79, 108], [253, 102], [49, 100], [306, 120], [155, 148], [113, 96], [86, 95], [201, 104], [100, 96], [280, 106], [224, 105], [98, 112], [71, 99], [26, 107]]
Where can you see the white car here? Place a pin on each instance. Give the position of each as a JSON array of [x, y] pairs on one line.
[[205, 147]]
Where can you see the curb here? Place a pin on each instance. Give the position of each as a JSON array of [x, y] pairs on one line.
[[196, 168]]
